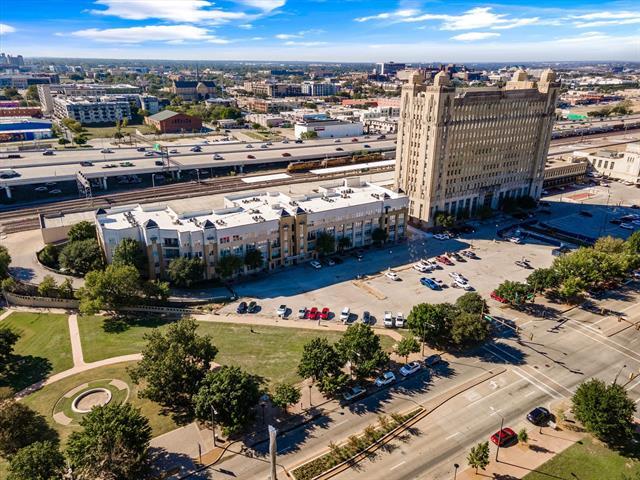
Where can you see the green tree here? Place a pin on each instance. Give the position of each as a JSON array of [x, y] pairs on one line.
[[48, 287], [332, 385], [430, 322], [111, 289], [21, 426], [309, 135], [173, 365], [379, 235], [344, 243], [604, 410], [407, 346], [253, 259], [63, 141], [83, 230], [81, 257], [49, 255], [325, 243], [129, 252], [360, 346], [479, 456], [113, 443], [5, 261], [571, 289], [38, 461], [32, 93], [319, 359], [469, 329], [285, 394], [632, 244], [543, 279], [79, 139], [445, 220], [609, 244], [228, 265], [471, 302], [65, 290], [513, 292], [232, 393], [185, 272], [8, 340], [523, 435]]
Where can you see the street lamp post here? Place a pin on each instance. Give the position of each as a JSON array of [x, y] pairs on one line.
[[499, 436], [310, 402], [213, 425], [455, 472]]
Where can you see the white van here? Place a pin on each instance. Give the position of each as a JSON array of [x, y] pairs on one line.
[[388, 320], [345, 314], [399, 320]]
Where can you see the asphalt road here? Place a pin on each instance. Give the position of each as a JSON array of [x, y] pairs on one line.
[[545, 365]]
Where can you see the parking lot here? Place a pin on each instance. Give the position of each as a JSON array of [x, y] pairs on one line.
[[337, 286]]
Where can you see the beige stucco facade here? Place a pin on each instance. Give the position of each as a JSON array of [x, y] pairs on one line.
[[463, 149]]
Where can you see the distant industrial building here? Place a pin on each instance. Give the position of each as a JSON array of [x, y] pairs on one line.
[[91, 110], [22, 129], [328, 128], [319, 89], [283, 227], [459, 150], [35, 112], [174, 122]]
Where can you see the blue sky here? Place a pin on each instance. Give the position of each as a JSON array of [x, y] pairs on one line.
[[323, 30]]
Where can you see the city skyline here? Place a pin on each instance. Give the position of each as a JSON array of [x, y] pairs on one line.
[[323, 30]]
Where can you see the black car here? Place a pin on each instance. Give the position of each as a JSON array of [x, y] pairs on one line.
[[242, 307], [584, 213], [539, 416], [366, 317], [159, 163], [253, 307], [432, 360], [615, 221], [141, 149], [86, 164]]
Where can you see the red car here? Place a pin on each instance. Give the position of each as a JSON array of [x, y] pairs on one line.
[[286, 154], [324, 315], [250, 157], [313, 313], [443, 259], [498, 298], [504, 437], [354, 139]]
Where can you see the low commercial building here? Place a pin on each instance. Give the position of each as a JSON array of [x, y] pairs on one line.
[[20, 112], [283, 227], [265, 120], [381, 125], [328, 128], [90, 110], [174, 122], [623, 166], [21, 129], [559, 172]]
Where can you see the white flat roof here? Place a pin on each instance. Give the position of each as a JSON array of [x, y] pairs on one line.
[[266, 178], [357, 166]]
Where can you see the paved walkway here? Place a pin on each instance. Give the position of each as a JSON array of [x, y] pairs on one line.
[[76, 343]]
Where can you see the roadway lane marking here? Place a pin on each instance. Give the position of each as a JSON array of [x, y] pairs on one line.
[[632, 357], [341, 423], [499, 390], [551, 380], [397, 466], [451, 436]]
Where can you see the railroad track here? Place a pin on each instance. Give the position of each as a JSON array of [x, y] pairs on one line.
[[28, 218]]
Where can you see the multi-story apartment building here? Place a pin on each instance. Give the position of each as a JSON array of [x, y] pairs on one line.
[[88, 110], [462, 149], [319, 89], [271, 89], [46, 93], [389, 68], [283, 227]]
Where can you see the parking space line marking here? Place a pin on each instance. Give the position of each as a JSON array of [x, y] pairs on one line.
[[398, 465]]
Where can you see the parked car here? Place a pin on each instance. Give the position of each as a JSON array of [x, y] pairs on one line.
[[427, 282], [242, 307], [388, 320], [159, 163], [281, 311], [55, 191], [516, 240], [523, 264], [421, 267], [392, 275], [366, 317], [539, 416], [444, 260], [400, 320], [385, 379], [253, 307], [457, 276], [458, 257], [345, 314], [441, 236], [302, 313], [353, 393], [315, 264], [142, 149], [432, 360], [251, 157], [173, 150], [339, 149], [504, 437], [313, 313], [324, 315], [498, 298], [409, 369], [470, 254], [457, 283]]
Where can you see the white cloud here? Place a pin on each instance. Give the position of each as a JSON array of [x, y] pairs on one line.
[[264, 5], [304, 44], [150, 33], [403, 13], [287, 36], [246, 26], [586, 37], [473, 36], [189, 11], [520, 22], [4, 29], [605, 19]]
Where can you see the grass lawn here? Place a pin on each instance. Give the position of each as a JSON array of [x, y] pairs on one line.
[[107, 132], [44, 345], [44, 400], [589, 460], [272, 352]]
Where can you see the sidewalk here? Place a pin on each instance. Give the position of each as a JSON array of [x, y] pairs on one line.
[[518, 460]]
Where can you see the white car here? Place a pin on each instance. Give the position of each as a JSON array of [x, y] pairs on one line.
[[409, 369], [636, 274], [515, 240], [302, 313], [462, 284], [388, 319], [385, 379], [392, 275], [441, 236], [345, 314], [457, 276], [399, 320], [421, 267], [217, 156], [282, 310], [315, 264]]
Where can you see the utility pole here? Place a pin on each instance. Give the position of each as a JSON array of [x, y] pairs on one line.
[[273, 450]]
